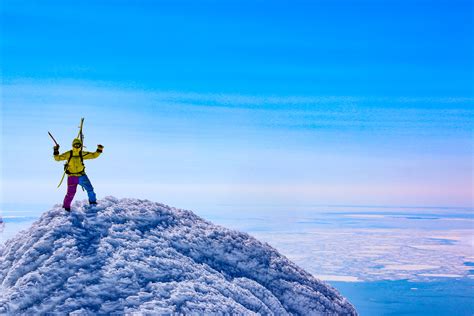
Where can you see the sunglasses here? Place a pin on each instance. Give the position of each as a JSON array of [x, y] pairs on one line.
[[77, 145]]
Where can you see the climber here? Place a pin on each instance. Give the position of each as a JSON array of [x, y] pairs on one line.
[[75, 170]]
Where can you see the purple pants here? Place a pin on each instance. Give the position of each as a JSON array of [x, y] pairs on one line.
[[72, 182]]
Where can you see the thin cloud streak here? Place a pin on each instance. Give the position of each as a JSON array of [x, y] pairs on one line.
[[93, 89]]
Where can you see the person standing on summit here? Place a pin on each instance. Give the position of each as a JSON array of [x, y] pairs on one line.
[[75, 170]]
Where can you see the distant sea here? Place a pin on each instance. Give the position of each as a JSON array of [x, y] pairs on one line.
[[402, 297]]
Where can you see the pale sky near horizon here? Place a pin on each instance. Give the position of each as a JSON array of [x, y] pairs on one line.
[[243, 103]]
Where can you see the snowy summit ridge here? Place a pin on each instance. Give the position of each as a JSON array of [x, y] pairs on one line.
[[129, 255]]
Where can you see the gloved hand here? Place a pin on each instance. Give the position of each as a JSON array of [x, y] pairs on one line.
[[56, 150], [100, 148]]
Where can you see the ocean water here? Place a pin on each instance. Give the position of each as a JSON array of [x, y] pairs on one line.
[[402, 297], [386, 261]]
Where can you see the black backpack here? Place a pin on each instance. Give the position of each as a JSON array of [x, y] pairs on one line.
[[69, 159]]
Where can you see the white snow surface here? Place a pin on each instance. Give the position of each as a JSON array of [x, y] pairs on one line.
[[131, 256]]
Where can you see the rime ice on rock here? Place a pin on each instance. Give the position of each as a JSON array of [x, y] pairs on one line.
[[130, 255]]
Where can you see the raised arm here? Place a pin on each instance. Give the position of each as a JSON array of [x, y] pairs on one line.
[[89, 155], [59, 157]]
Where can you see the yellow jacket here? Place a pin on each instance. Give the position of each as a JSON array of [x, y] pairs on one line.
[[75, 167]]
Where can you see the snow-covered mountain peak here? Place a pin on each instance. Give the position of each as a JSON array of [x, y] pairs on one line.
[[130, 255]]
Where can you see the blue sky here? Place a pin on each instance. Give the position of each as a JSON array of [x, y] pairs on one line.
[[394, 48], [211, 103]]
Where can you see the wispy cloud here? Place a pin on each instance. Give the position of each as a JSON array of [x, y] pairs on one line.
[[94, 89], [348, 114]]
